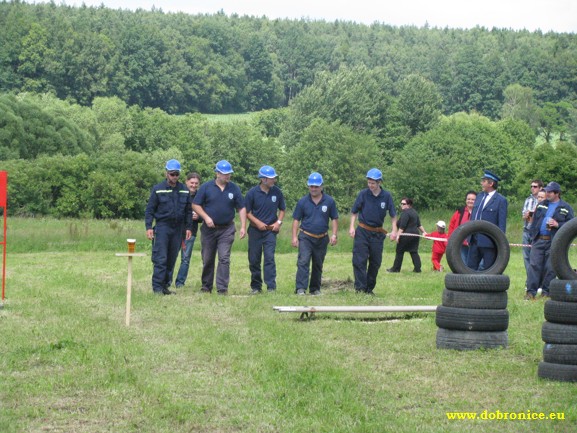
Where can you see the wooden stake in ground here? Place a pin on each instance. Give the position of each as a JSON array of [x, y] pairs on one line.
[[129, 281]]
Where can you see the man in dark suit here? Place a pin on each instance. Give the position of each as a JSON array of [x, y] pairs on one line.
[[492, 207]]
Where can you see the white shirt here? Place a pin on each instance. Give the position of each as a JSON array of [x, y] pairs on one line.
[[488, 197]]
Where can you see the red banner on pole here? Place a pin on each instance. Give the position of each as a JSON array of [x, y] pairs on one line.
[[3, 196], [3, 188]]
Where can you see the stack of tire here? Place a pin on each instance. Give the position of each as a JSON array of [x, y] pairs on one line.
[[559, 332], [473, 313]]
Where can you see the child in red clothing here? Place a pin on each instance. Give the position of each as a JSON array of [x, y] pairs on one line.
[[439, 246]]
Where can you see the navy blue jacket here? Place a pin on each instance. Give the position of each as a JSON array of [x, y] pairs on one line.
[[168, 205], [494, 212], [562, 214]]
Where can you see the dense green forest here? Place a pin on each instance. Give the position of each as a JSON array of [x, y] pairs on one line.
[[215, 63], [94, 100]]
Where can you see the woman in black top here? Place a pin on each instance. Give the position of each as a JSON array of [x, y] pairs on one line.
[[409, 222]]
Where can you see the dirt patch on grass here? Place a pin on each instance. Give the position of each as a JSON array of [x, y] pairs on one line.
[[334, 285]]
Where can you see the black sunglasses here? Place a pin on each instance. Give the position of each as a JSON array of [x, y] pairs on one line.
[[174, 173]]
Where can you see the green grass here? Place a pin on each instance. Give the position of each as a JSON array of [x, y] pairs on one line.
[[230, 118], [204, 363]]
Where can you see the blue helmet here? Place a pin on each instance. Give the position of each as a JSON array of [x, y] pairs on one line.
[[223, 167], [315, 179], [173, 165], [375, 174], [267, 171]]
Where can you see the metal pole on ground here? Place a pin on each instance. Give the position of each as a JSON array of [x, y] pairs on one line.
[[358, 309], [306, 310]]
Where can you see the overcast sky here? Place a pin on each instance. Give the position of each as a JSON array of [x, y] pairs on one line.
[[545, 15]]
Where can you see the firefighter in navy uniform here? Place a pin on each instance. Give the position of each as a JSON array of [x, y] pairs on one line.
[[371, 207], [216, 202], [313, 212], [265, 209], [169, 207], [550, 215]]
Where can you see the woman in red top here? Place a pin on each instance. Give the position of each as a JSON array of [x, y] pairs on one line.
[[461, 216]]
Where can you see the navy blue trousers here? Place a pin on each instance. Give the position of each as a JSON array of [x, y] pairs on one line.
[[165, 249], [311, 250], [261, 244], [480, 258], [540, 271], [367, 249]]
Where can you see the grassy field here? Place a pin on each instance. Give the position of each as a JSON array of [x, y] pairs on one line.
[[205, 363]]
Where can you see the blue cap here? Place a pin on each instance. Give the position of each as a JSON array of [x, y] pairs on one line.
[[267, 171], [173, 165], [553, 187], [488, 175], [223, 167], [374, 174], [315, 179]]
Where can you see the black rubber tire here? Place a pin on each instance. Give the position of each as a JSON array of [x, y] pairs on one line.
[[477, 282], [560, 353], [470, 340], [560, 251], [556, 333], [560, 372], [563, 290], [561, 312], [476, 300], [469, 319], [462, 232]]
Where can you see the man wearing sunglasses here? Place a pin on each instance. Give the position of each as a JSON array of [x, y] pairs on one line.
[[169, 207], [528, 210]]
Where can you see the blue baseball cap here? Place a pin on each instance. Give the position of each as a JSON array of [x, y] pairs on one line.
[[374, 174], [553, 187], [488, 175]]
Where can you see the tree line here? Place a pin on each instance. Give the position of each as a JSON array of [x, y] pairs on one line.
[[97, 156], [185, 63], [66, 160]]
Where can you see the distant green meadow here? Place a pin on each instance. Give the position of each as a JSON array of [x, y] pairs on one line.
[[206, 363], [230, 118]]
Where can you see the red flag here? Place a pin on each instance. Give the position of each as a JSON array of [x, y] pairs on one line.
[[3, 188]]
